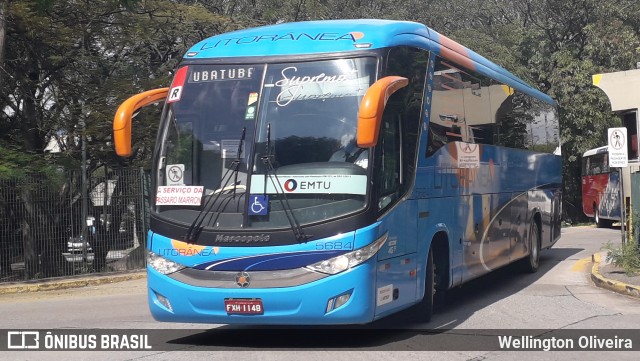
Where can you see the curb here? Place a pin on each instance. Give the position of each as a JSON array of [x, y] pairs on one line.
[[69, 283], [607, 283]]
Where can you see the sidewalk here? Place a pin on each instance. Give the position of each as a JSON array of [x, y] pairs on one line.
[[608, 276], [64, 283]]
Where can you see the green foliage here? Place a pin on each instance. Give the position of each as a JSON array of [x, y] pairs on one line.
[[16, 164], [68, 63], [626, 256]]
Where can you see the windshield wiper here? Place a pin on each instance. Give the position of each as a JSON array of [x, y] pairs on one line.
[[284, 201], [238, 159], [196, 226]]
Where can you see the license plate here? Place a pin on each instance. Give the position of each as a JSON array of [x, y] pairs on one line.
[[235, 306]]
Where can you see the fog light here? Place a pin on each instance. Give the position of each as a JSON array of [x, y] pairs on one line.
[[341, 300], [338, 301], [330, 304], [164, 301]]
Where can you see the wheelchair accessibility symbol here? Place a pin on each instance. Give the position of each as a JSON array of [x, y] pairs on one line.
[[258, 205]]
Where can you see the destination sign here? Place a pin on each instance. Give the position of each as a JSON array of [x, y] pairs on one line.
[[218, 74]]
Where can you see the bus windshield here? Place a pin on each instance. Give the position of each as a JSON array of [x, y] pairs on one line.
[[262, 143]]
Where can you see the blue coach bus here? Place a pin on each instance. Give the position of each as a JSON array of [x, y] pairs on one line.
[[336, 172]]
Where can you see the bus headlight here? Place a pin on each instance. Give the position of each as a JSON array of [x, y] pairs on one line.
[[162, 264], [345, 261]]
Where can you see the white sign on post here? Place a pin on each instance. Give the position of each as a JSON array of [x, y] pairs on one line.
[[468, 155], [618, 155], [175, 175]]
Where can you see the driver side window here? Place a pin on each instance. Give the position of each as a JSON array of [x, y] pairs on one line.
[[389, 156], [400, 129]]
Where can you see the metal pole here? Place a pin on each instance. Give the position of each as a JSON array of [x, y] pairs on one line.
[[143, 209], [623, 207], [85, 205]]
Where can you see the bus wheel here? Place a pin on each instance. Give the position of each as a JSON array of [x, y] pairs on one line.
[[531, 263], [425, 307], [601, 223], [596, 217]]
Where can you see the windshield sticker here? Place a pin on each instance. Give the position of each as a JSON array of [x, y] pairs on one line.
[[230, 148], [175, 174], [320, 86], [258, 205], [175, 93], [468, 155], [250, 114], [253, 98], [309, 184], [235, 73], [179, 195]]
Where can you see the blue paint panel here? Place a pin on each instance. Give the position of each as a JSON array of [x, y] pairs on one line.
[[395, 274], [367, 235], [259, 258], [269, 262], [514, 171], [310, 37]]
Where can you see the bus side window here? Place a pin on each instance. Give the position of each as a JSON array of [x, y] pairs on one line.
[[511, 130], [447, 122], [585, 166], [400, 128], [478, 94], [388, 173]]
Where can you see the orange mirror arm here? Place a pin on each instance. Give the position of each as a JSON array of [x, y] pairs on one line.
[[372, 107], [124, 114]]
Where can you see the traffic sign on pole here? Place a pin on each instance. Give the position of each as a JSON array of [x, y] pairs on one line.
[[618, 154]]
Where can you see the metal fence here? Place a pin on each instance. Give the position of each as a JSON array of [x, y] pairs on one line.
[[44, 234]]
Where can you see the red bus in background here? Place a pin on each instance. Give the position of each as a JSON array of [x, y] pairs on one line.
[[601, 187]]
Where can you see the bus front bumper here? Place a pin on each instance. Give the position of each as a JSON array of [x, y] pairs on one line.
[[307, 304]]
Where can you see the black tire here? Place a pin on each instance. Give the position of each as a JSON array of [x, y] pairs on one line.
[[596, 217], [601, 222], [425, 307], [532, 261]]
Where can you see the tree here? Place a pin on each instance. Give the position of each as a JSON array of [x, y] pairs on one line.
[[67, 66]]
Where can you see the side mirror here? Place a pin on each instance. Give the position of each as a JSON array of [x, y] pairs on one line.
[[124, 114], [372, 107]]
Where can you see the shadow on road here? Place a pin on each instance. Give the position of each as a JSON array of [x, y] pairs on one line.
[[396, 332]]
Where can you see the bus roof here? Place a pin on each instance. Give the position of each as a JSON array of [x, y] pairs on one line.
[[604, 149], [331, 36]]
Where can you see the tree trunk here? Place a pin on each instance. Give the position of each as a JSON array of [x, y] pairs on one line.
[[29, 242], [3, 32]]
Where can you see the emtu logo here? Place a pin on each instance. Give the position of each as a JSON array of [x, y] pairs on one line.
[[290, 185]]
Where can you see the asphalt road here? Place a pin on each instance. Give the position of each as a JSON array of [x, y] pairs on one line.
[[559, 296]]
